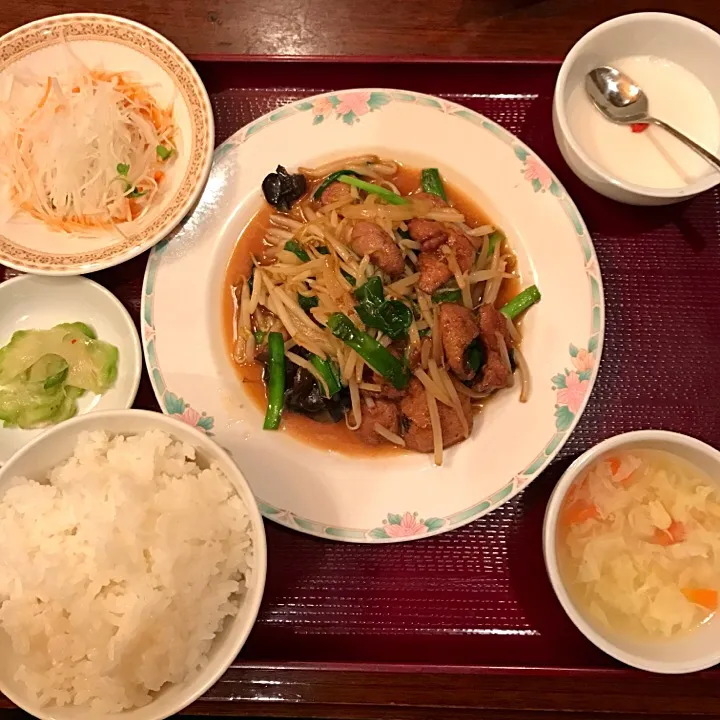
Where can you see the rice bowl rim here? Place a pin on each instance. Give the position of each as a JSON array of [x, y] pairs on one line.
[[236, 630], [670, 442]]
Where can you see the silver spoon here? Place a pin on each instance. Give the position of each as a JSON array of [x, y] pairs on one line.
[[621, 101]]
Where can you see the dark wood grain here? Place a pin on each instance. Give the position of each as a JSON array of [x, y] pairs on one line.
[[442, 28], [412, 693]]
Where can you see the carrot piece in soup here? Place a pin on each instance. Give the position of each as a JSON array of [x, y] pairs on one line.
[[706, 597], [674, 534], [579, 511]]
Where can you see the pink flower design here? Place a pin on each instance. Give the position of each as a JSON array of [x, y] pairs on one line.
[[583, 361], [354, 102], [535, 170], [573, 393], [408, 526], [322, 107], [189, 416]]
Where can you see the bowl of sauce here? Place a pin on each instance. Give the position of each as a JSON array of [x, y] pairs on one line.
[[672, 59], [632, 549]]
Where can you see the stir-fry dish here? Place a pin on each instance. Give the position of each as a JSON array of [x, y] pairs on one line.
[[83, 150], [377, 302]]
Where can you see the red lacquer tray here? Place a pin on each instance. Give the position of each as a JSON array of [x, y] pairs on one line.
[[467, 621]]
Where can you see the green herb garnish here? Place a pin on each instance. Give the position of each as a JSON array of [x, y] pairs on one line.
[[296, 249], [163, 152]]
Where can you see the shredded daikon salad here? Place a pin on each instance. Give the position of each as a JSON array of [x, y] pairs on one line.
[[639, 543], [84, 149]]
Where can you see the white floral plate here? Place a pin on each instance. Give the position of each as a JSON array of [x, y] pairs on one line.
[[404, 497], [114, 44]]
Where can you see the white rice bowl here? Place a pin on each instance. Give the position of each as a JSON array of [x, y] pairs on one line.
[[119, 567]]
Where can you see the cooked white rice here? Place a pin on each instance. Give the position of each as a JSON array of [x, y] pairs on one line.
[[117, 571]]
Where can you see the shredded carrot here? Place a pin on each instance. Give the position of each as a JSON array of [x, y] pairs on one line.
[[66, 224], [579, 511], [140, 99], [707, 597], [135, 208], [46, 94], [615, 469], [673, 535]]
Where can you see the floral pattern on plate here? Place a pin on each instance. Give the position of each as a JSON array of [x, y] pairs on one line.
[[407, 525], [181, 410], [572, 386], [349, 106]]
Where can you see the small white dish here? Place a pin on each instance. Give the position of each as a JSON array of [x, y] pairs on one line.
[[689, 44], [57, 445], [697, 650], [30, 302], [119, 45]]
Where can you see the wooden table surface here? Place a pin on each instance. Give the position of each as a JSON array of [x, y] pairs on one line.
[[502, 29], [443, 28]]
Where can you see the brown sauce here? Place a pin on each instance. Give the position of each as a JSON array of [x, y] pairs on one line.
[[335, 436]]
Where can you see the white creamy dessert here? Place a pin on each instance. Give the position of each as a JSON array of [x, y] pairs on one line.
[[652, 158]]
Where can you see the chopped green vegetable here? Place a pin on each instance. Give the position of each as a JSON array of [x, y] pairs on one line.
[[276, 381], [297, 249], [308, 303], [370, 350], [424, 332], [92, 363], [163, 152], [384, 193], [123, 169], [43, 372], [447, 296], [432, 182], [323, 249], [27, 405], [80, 327], [371, 292], [51, 369], [393, 317], [259, 336], [495, 237], [73, 392], [348, 277], [521, 302], [475, 355], [329, 180], [330, 373]]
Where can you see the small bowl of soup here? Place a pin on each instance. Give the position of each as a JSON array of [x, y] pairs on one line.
[[632, 549], [674, 60]]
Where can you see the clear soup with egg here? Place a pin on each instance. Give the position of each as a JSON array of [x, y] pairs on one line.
[[639, 544]]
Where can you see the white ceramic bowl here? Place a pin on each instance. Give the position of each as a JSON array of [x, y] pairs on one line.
[[57, 445], [694, 651], [681, 40], [33, 302]]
